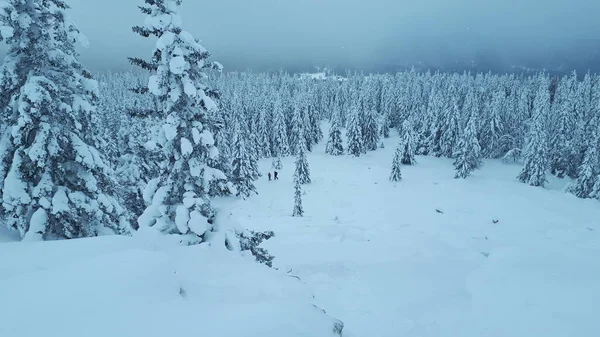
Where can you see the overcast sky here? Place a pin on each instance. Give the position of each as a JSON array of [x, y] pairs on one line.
[[375, 35]]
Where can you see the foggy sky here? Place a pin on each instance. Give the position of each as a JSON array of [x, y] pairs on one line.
[[374, 35]]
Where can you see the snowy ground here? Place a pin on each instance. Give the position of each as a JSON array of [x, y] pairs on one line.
[[129, 287], [381, 258], [374, 254]]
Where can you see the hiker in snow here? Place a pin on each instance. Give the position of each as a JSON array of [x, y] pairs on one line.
[[276, 177], [269, 176]]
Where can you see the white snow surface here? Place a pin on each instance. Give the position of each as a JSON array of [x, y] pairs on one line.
[[374, 254], [122, 286], [380, 257]]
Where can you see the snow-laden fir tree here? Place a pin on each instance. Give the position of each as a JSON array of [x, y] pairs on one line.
[[396, 174], [279, 137], [276, 163], [451, 129], [469, 152], [408, 144], [587, 177], [181, 194], [354, 133], [334, 144], [493, 127], [298, 209], [314, 127], [564, 128], [302, 169], [521, 110], [299, 125], [536, 151], [243, 167], [370, 130], [264, 141], [385, 125], [137, 166], [55, 183]]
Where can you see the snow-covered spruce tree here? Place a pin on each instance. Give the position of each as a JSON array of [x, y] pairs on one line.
[[469, 152], [385, 125], [302, 169], [297, 135], [451, 129], [408, 144], [298, 209], [493, 127], [370, 131], [137, 166], [314, 126], [536, 151], [334, 144], [251, 240], [279, 137], [276, 163], [55, 185], [521, 110], [564, 127], [587, 177], [181, 195], [354, 133], [264, 141], [396, 174], [243, 168]]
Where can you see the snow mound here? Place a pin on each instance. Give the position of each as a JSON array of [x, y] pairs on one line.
[[7, 235], [119, 286]]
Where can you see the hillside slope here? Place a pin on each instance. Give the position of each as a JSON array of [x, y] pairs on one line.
[[128, 287], [427, 256], [432, 255]]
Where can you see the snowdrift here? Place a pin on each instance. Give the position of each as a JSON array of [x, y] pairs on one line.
[[120, 286]]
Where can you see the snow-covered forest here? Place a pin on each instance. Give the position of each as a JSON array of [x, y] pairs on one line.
[[170, 150], [547, 123]]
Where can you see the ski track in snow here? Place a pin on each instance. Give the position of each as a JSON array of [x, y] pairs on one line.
[[379, 257]]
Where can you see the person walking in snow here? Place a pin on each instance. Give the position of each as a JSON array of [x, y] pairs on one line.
[[269, 176], [276, 177]]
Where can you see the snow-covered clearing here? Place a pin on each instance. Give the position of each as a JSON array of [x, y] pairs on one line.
[[380, 257], [422, 257]]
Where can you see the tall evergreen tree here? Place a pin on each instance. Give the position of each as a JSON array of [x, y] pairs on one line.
[[408, 144], [264, 141], [279, 137], [302, 169], [298, 134], [493, 128], [562, 149], [451, 129], [469, 151], [396, 174], [314, 127], [55, 183], [244, 169], [354, 134], [536, 152], [334, 145], [385, 125], [298, 208], [181, 198], [584, 185], [370, 131]]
